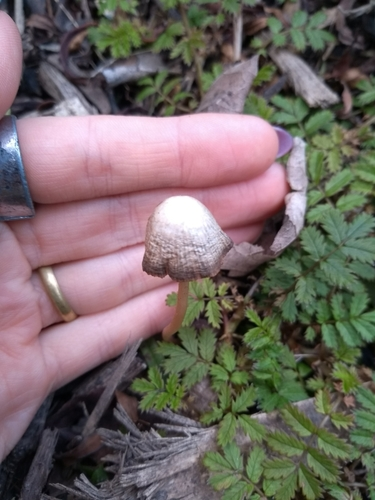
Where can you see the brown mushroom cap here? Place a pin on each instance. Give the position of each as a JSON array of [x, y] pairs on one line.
[[184, 241]]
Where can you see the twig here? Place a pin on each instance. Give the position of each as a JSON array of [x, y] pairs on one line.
[[237, 35], [124, 362]]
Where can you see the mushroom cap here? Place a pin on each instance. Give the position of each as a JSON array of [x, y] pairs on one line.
[[184, 241]]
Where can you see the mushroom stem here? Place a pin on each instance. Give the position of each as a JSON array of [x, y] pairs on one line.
[[181, 306]]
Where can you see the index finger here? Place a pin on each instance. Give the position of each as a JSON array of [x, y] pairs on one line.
[[87, 157]]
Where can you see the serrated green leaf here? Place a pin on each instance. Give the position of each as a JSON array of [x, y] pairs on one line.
[[278, 468], [283, 118], [292, 390], [366, 398], [265, 74], [340, 420], [227, 429], [332, 445], [315, 162], [289, 265], [178, 361], [304, 290], [365, 420], [347, 375], [223, 480], [207, 344], [323, 311], [213, 313], [227, 357], [358, 304], [254, 466], [289, 308], [298, 39], [287, 488], [171, 383], [285, 444], [350, 201], [189, 340], [299, 18], [338, 182], [162, 401], [317, 19], [363, 438], [253, 316], [298, 421], [360, 249], [167, 39], [348, 333], [213, 416], [251, 427], [143, 385], [315, 39], [322, 466], [323, 402], [338, 273], [194, 310], [244, 400], [364, 271], [155, 377], [196, 289], [361, 226], [195, 374], [274, 25], [308, 483], [144, 93], [240, 377], [335, 226], [233, 456], [279, 39], [209, 288], [310, 334], [215, 462], [330, 336], [225, 397], [170, 85], [238, 491], [149, 400], [219, 373]]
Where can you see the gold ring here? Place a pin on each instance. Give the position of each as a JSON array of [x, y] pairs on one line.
[[55, 294]]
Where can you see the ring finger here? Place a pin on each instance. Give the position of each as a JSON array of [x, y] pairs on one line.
[[98, 284]]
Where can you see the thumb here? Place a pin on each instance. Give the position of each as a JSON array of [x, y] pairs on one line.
[[10, 62]]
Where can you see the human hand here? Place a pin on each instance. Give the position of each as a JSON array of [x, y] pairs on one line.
[[95, 181]]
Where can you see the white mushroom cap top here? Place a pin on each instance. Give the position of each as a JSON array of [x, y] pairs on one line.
[[184, 241]]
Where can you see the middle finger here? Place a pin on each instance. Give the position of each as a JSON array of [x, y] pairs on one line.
[[79, 230]]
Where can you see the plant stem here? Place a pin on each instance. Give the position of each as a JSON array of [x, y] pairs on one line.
[[237, 35], [198, 69], [181, 306]]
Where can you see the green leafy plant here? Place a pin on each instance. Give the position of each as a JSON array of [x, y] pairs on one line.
[[166, 94], [304, 31], [158, 392], [207, 298], [121, 38], [303, 457]]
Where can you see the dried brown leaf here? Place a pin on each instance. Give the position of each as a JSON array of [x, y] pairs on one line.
[[229, 91], [245, 257]]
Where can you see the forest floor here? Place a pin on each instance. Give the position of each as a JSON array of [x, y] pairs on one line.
[[268, 392]]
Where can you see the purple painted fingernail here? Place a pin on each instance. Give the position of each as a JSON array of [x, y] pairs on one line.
[[285, 141]]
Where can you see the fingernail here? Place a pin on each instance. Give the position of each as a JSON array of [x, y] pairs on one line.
[[285, 141]]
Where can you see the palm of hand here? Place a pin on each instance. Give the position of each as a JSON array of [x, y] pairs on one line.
[[92, 234]]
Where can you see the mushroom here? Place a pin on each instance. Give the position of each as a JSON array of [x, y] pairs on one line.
[[184, 241]]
